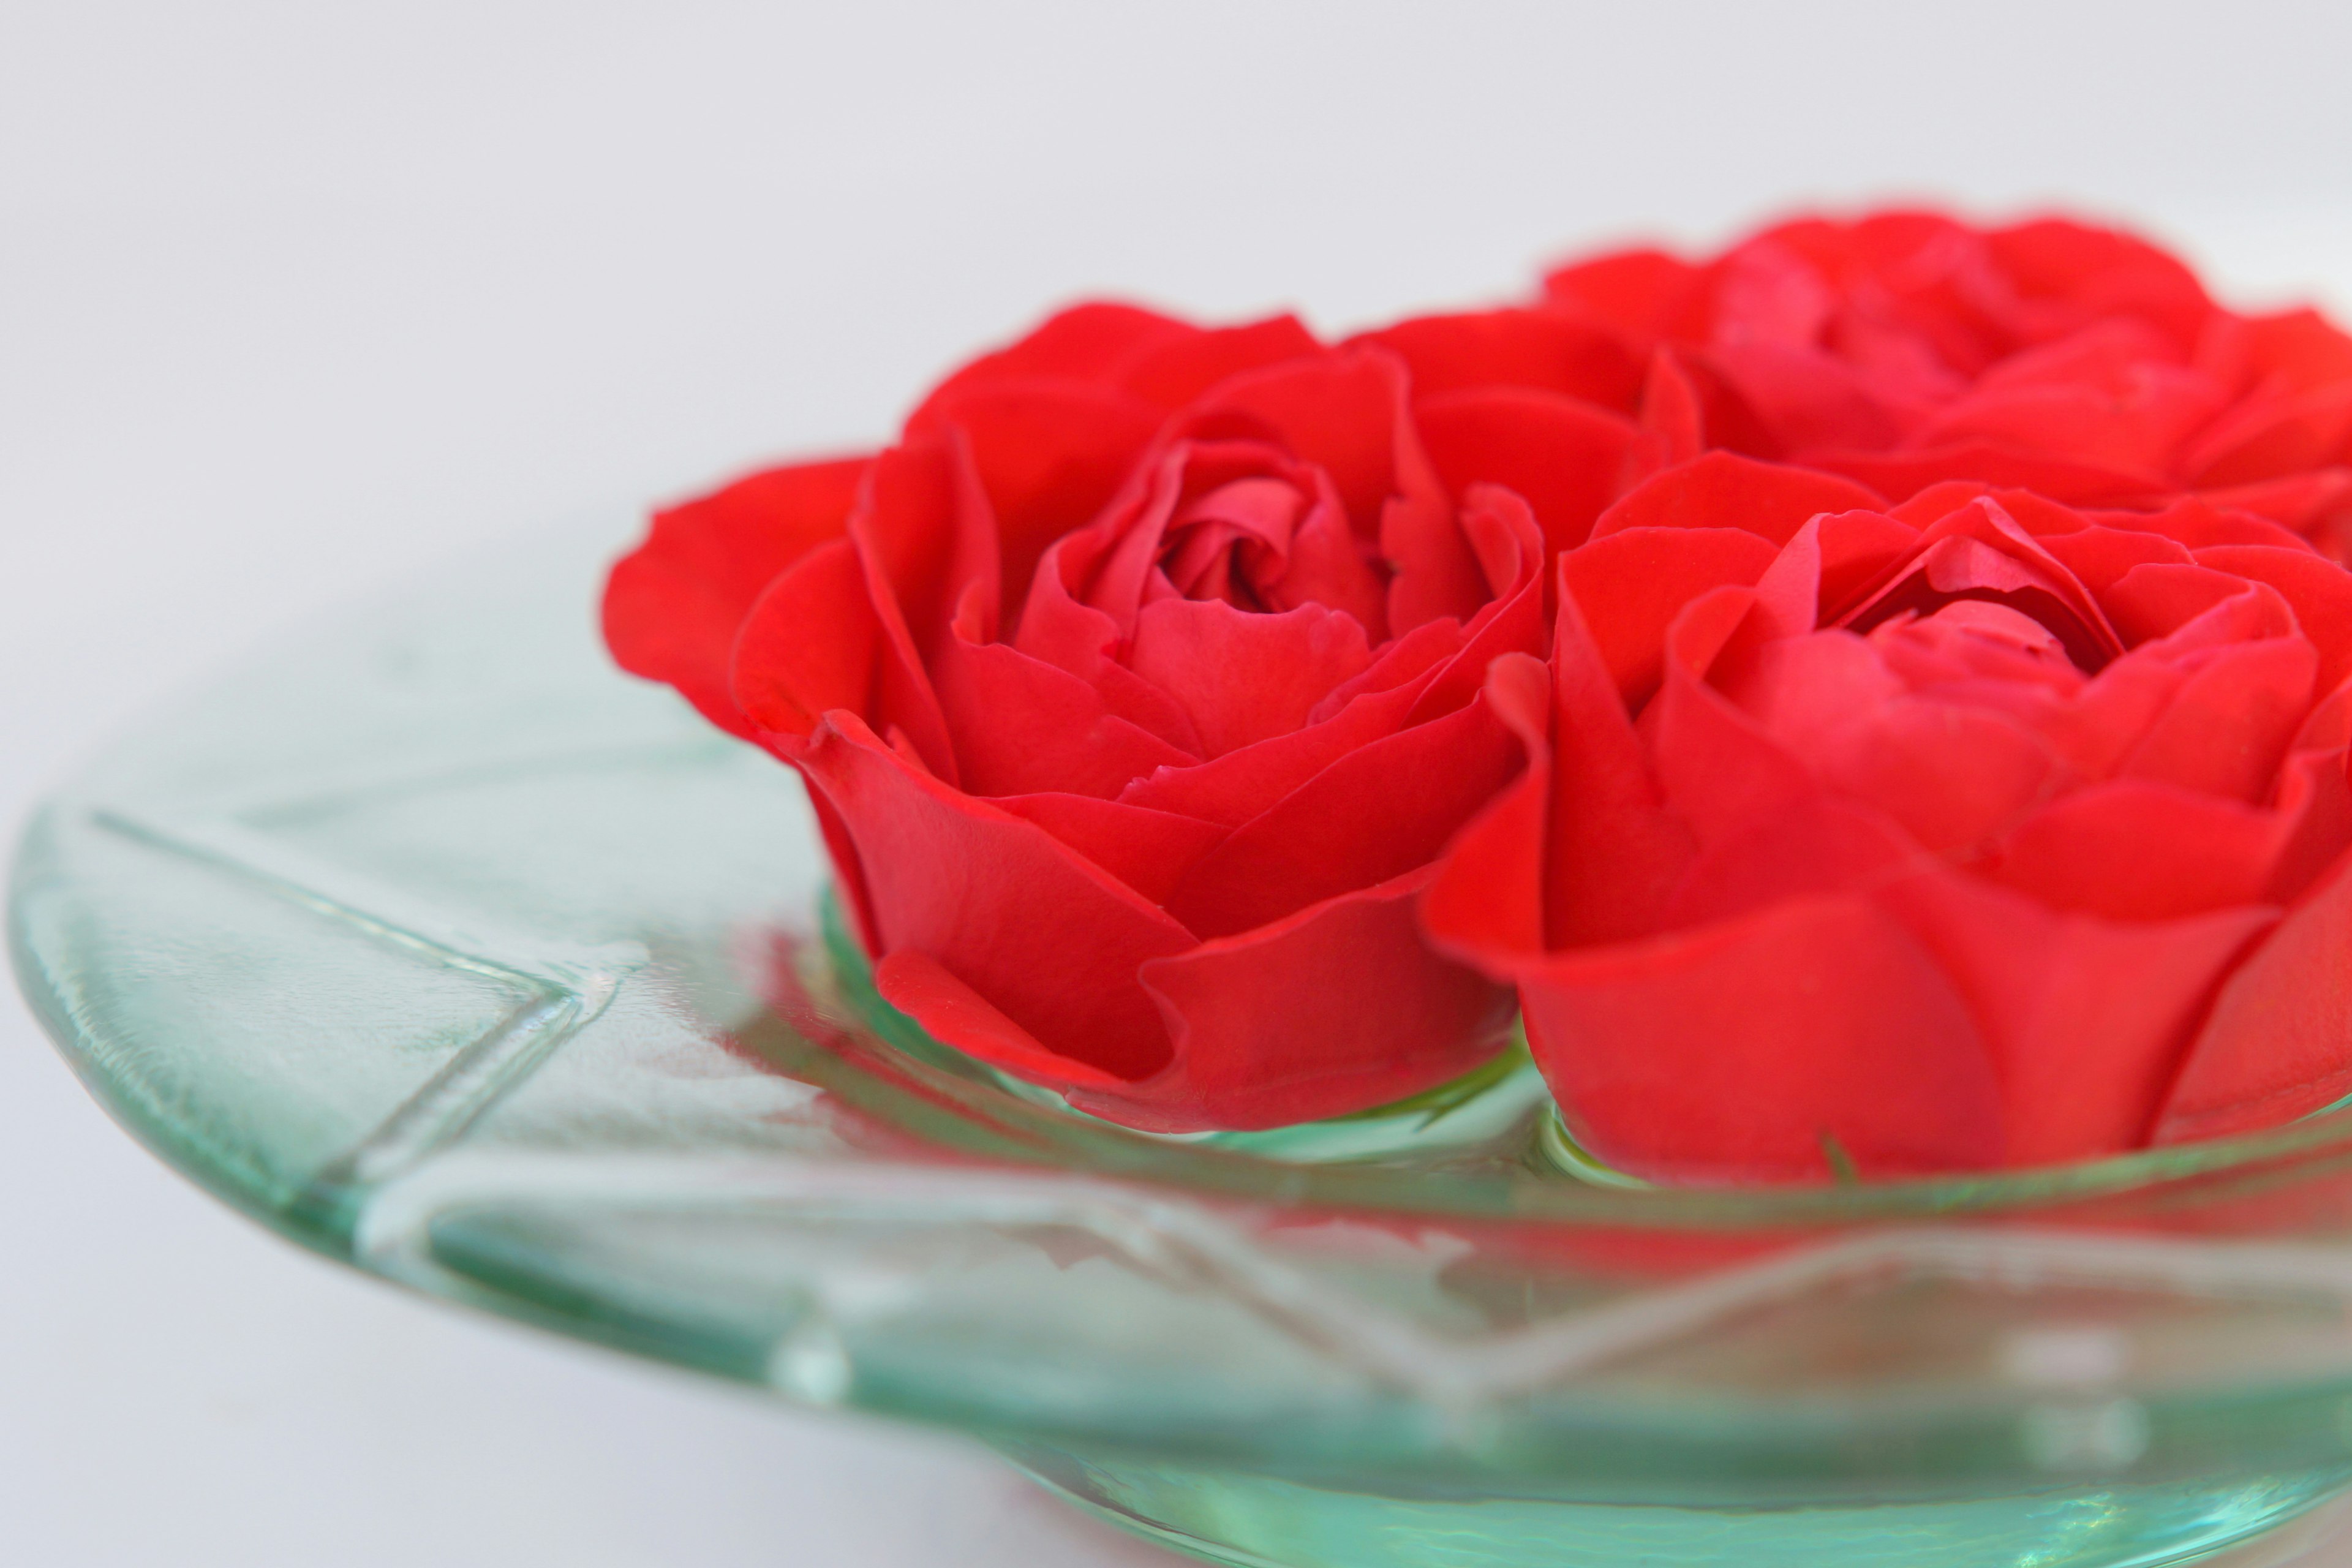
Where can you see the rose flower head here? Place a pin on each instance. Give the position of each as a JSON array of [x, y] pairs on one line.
[[1973, 831], [1903, 348], [1872, 697], [1138, 688]]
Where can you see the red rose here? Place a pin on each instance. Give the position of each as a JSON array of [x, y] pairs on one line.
[[1876, 806], [1906, 348], [1139, 687], [1974, 831]]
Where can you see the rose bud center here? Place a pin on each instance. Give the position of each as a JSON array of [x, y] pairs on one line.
[[1234, 544], [2040, 612]]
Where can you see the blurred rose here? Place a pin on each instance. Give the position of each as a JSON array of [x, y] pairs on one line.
[[1906, 348]]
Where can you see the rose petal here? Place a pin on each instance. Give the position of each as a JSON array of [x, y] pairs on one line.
[[1485, 902], [2319, 592], [1340, 1008], [2086, 1019], [2137, 851], [1630, 584], [1343, 412], [806, 646], [2269, 437], [1233, 788], [1952, 777], [2275, 1046], [1375, 813], [2308, 503], [2162, 599], [1615, 851], [1049, 456], [1648, 291], [1084, 342], [672, 606], [1550, 350], [1719, 769], [1979, 551], [1513, 622], [2201, 522], [1023, 726], [1048, 938], [2315, 813], [1814, 844], [1564, 457], [2227, 728], [1724, 489], [1673, 417], [955, 1014], [1171, 373], [1244, 678], [2105, 395], [1740, 1052], [2100, 272], [914, 524], [1806, 398], [1148, 850], [1060, 630], [2063, 479]]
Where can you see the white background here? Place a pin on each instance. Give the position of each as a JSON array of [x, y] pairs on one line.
[[298, 298]]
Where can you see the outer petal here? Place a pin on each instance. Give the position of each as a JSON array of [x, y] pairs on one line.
[[1148, 850], [2228, 727], [2203, 521], [1724, 489], [1630, 584], [1022, 725], [1553, 350], [2135, 850], [1744, 1051], [1085, 342], [1374, 814], [672, 607], [2272, 436], [1238, 786], [1049, 938], [2076, 482], [1169, 374], [1615, 852], [807, 646], [1566, 458], [2276, 1047], [1811, 846], [1485, 903], [1338, 1008], [949, 1011], [2099, 271], [2086, 1018], [1648, 292], [2319, 592], [2315, 504], [1049, 456], [1513, 552], [915, 524]]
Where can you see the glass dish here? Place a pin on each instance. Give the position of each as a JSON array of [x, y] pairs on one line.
[[438, 946]]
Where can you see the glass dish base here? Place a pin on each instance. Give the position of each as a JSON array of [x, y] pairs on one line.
[[1257, 1520], [440, 947]]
